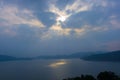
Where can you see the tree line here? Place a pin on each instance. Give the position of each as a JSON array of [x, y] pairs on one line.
[[106, 75]]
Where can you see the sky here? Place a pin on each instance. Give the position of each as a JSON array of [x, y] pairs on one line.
[[55, 27]]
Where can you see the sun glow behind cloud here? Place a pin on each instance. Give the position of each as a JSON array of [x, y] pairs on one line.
[[63, 14], [61, 18]]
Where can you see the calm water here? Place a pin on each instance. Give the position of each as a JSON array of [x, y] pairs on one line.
[[53, 69]]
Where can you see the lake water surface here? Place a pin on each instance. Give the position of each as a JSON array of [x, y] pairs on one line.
[[53, 69]]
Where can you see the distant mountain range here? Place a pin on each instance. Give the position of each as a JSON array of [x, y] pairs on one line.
[[6, 58], [70, 56], [109, 56], [90, 56], [10, 58]]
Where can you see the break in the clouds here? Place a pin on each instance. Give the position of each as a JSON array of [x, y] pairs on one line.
[[29, 27]]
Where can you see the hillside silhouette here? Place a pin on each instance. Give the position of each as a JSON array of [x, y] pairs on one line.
[[109, 56], [11, 58], [106, 75], [90, 56]]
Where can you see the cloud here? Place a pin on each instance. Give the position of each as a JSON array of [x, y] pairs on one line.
[[59, 13], [77, 6], [56, 30], [79, 31], [36, 26], [115, 23], [62, 15], [104, 3], [12, 15], [60, 30], [88, 29], [69, 10], [100, 29]]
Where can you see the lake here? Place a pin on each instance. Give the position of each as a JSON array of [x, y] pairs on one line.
[[53, 69]]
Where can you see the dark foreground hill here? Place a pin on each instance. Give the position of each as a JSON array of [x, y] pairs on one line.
[[109, 56], [106, 75]]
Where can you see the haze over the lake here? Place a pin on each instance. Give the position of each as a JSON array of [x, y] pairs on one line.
[[47, 27]]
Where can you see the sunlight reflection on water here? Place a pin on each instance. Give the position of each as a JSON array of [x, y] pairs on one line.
[[58, 63]]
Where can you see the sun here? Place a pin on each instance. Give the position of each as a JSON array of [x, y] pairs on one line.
[[62, 18]]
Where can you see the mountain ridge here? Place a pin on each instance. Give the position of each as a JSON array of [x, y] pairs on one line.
[[109, 56], [89, 56]]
